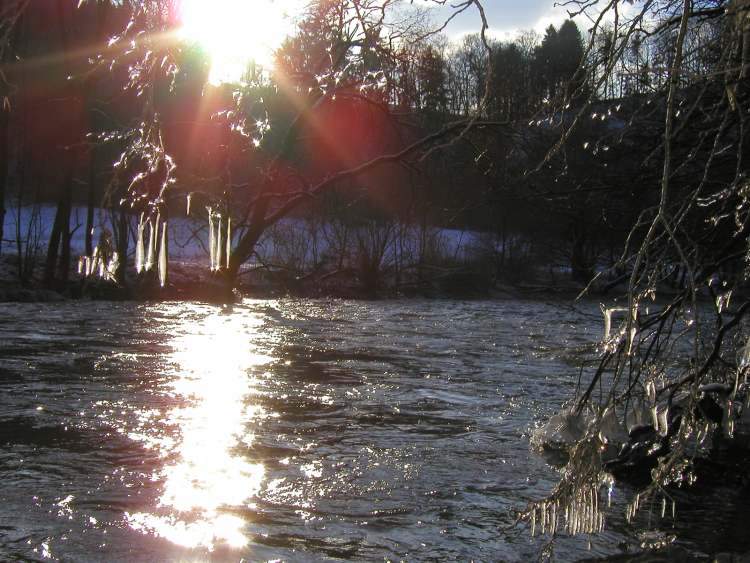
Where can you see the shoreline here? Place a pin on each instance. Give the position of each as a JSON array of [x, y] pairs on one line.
[[190, 282], [210, 290], [75, 291]]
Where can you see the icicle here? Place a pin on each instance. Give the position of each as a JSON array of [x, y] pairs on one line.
[[706, 429], [533, 522], [92, 264], [553, 519], [595, 498], [112, 267], [229, 240], [157, 239], [744, 359], [151, 242], [81, 264], [728, 420], [608, 312], [163, 255], [211, 243], [570, 518], [584, 524], [722, 301], [651, 394], [663, 506], [631, 339], [219, 245], [139, 246], [662, 427], [189, 198], [580, 517], [607, 322]]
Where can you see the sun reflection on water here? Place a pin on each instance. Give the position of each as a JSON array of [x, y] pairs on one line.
[[215, 360]]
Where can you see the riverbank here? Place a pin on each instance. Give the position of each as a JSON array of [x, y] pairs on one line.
[[213, 292], [189, 281]]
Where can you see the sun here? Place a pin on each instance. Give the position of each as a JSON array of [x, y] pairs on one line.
[[235, 33]]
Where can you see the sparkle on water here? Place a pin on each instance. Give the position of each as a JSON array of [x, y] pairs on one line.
[[214, 360]]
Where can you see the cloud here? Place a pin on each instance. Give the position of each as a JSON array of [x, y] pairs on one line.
[[505, 17]]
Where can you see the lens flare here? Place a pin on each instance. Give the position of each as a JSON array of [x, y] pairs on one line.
[[235, 33]]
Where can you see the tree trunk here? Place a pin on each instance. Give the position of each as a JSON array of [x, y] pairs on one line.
[[60, 238], [53, 248], [246, 245], [67, 201], [4, 157], [58, 251], [19, 245], [121, 241], [580, 261], [102, 13], [90, 205]]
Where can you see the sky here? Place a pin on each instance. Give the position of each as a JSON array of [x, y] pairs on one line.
[[506, 17], [233, 31]]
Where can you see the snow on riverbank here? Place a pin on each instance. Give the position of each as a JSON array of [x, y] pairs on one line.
[[294, 243]]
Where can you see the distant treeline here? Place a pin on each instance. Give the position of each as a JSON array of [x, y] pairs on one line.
[[95, 117]]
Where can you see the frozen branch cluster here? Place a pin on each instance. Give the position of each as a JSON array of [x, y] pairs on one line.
[[671, 369], [151, 247]]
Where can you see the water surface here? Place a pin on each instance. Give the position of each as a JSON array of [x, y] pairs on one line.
[[292, 429]]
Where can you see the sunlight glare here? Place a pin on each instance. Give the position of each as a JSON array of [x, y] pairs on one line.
[[235, 33], [214, 415]]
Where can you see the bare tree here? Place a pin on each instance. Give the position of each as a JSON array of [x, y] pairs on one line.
[[10, 14], [358, 42], [670, 374]]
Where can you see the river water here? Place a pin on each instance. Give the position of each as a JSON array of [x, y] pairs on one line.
[[296, 430]]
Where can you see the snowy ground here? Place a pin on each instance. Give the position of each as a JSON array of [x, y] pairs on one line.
[[290, 241]]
